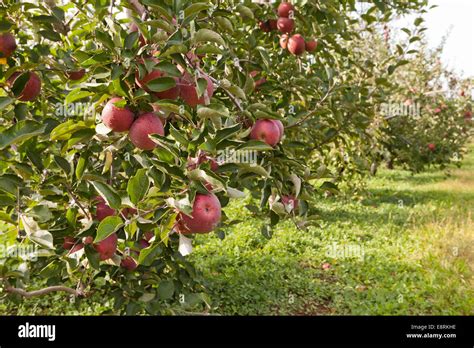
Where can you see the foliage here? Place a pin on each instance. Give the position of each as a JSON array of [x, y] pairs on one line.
[[57, 159]]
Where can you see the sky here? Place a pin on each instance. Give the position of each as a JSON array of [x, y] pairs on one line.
[[455, 17]]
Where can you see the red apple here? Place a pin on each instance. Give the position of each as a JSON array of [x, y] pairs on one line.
[[189, 94], [102, 209], [273, 24], [432, 147], [76, 248], [107, 247], [148, 235], [286, 9], [280, 127], [145, 125], [264, 26], [205, 217], [468, 115], [76, 75], [266, 130], [88, 240], [311, 45], [296, 45], [285, 25], [32, 88], [284, 41], [290, 201], [68, 243], [129, 263], [437, 110], [129, 212], [7, 45], [116, 118]]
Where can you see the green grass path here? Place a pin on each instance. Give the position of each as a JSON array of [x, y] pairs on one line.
[[407, 248]]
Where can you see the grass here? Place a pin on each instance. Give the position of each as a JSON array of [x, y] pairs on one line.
[[407, 248]]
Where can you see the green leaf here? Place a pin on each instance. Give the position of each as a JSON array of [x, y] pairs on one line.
[[105, 39], [5, 101], [110, 196], [206, 35], [9, 184], [66, 129], [256, 145], [19, 132], [137, 186], [131, 40], [93, 256], [161, 84], [107, 227], [195, 8], [166, 289], [77, 94], [148, 255]]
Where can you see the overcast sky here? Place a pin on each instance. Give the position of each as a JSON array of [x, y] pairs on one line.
[[457, 18]]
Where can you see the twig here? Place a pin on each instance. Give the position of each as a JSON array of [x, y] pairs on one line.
[[232, 97], [68, 189], [309, 114], [44, 291]]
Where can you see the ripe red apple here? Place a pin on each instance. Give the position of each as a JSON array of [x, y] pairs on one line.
[[260, 82], [172, 93], [296, 45], [148, 235], [143, 243], [76, 248], [205, 217], [145, 125], [142, 83], [129, 263], [432, 147], [468, 115], [273, 24], [280, 127], [129, 212], [437, 110], [189, 94], [462, 93], [116, 118], [290, 201], [102, 209], [264, 26], [284, 41], [7, 45], [266, 130], [285, 25], [68, 243], [76, 75], [88, 240], [107, 247], [285, 9], [311, 45], [32, 87]]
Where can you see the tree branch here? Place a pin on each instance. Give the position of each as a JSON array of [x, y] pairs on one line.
[[310, 113], [44, 291]]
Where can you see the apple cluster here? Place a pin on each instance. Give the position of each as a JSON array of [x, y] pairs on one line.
[[295, 44], [32, 83]]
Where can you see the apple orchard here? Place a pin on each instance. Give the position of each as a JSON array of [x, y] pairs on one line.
[[118, 183]]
